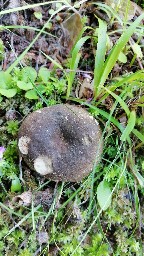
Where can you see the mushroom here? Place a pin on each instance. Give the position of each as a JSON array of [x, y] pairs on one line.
[[61, 142]]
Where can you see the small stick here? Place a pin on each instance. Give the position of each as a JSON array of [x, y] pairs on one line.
[[20, 168]]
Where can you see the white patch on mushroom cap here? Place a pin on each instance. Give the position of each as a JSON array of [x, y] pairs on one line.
[[43, 165], [86, 140], [23, 144]]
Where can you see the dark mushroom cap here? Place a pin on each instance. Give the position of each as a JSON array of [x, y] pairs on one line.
[[62, 142]]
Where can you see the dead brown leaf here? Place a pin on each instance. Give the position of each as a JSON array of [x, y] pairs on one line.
[[71, 29], [85, 89], [44, 198], [23, 200]]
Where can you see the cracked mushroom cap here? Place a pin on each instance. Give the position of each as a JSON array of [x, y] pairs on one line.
[[62, 142]]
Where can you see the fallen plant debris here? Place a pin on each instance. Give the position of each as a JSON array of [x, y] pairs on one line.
[[25, 199]]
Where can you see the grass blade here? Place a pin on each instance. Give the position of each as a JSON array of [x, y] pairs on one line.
[[139, 75], [74, 63], [139, 135], [2, 27], [112, 58], [100, 54], [139, 178], [28, 6], [107, 116], [130, 126], [120, 100], [22, 220], [53, 61]]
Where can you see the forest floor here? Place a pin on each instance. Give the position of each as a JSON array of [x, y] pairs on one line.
[[88, 54]]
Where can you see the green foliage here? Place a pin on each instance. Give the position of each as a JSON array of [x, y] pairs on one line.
[[44, 74], [122, 57], [25, 252], [35, 85], [104, 195], [12, 127], [16, 185], [11, 153], [106, 66], [31, 95], [8, 167], [38, 15], [127, 246], [8, 92], [12, 241], [100, 54], [1, 246], [137, 50], [97, 247], [69, 242], [24, 85], [28, 74], [112, 174]]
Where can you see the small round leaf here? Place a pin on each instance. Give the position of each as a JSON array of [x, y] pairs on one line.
[[9, 93], [104, 195], [31, 95], [24, 85], [16, 185]]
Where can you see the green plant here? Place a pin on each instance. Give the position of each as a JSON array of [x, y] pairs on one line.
[[102, 67], [97, 247], [15, 185], [1, 50], [25, 252], [12, 127], [34, 85]]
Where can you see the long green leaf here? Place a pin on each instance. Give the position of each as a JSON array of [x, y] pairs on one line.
[[53, 61], [100, 54], [107, 116], [76, 50], [139, 75], [120, 100], [25, 27], [139, 135], [74, 62], [130, 126], [112, 58], [139, 177]]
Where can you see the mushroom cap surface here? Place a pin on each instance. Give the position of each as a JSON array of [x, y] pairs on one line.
[[62, 142]]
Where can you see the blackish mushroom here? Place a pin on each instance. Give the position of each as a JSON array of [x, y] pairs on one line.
[[62, 142]]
